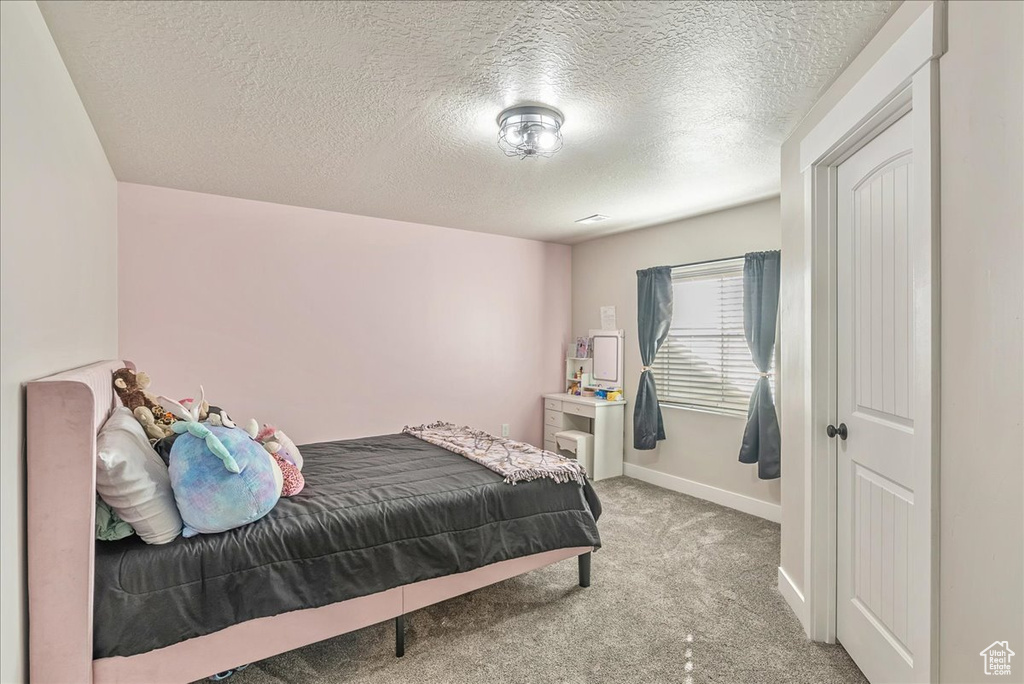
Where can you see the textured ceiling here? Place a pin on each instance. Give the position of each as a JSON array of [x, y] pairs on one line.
[[388, 108]]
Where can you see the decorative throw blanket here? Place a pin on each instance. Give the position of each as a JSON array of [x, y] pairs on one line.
[[516, 461]]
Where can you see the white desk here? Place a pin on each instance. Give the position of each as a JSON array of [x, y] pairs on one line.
[[601, 418]]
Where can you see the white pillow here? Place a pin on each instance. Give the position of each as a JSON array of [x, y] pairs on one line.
[[133, 480]]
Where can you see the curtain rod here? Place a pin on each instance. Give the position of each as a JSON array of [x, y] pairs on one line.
[[708, 261]]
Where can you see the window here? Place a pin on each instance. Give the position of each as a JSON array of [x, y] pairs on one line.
[[705, 363]]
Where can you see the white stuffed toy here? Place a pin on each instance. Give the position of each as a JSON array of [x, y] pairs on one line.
[[275, 441], [282, 450]]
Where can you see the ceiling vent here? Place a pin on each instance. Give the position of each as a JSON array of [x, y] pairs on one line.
[[596, 218]]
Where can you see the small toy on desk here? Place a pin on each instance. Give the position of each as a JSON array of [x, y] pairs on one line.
[[582, 347]]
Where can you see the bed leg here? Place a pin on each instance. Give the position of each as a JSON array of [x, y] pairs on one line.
[[399, 636], [584, 569]]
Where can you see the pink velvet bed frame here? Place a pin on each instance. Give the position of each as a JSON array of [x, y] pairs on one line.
[[65, 412]]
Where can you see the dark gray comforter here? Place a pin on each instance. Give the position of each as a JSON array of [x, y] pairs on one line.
[[376, 513]]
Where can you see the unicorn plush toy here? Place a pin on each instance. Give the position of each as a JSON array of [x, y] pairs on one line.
[[220, 476]]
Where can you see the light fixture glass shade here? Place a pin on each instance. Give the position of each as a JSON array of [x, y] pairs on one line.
[[530, 131]]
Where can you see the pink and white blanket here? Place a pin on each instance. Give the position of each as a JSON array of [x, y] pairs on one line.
[[516, 461]]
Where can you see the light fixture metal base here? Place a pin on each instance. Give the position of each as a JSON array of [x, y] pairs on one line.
[[528, 131]]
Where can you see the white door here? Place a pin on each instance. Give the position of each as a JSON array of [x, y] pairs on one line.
[[878, 550]]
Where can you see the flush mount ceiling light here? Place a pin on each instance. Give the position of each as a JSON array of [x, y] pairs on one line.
[[530, 131], [596, 218]]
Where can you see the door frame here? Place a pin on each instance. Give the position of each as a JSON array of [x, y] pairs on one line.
[[904, 81]]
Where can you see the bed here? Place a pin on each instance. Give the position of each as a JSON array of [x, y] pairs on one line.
[[385, 526]]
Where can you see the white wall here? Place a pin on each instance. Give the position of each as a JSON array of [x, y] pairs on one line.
[[794, 296], [981, 91], [981, 523], [58, 266], [700, 447]]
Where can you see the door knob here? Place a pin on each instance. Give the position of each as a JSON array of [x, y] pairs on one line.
[[832, 431]]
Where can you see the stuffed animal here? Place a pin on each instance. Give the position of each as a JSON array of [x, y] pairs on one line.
[[156, 431], [219, 417], [288, 446], [204, 407], [271, 439], [292, 476], [268, 433], [221, 478], [131, 390], [214, 414]]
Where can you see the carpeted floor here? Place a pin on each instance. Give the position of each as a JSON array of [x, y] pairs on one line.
[[683, 591]]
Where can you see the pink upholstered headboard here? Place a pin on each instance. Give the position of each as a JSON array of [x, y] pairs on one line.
[[63, 414]]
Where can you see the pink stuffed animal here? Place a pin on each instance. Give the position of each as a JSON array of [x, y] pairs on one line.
[[271, 438]]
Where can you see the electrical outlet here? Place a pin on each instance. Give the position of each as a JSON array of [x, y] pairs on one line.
[[504, 429]]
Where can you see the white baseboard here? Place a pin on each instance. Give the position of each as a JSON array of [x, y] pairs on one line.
[[794, 597], [740, 502]]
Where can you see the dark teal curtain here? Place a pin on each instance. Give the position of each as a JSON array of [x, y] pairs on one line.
[[654, 318], [761, 441]]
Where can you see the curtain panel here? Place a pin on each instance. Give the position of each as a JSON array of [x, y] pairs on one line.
[[761, 441], [654, 318]]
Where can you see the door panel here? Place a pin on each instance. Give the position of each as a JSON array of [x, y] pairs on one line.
[[875, 398], [880, 550], [882, 291]]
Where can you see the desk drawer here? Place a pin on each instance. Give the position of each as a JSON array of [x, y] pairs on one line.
[[553, 404], [549, 432], [553, 418], [550, 446], [579, 409]]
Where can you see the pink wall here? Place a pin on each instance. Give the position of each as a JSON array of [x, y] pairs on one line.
[[335, 326]]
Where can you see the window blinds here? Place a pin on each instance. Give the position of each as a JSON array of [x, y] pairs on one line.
[[705, 363]]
